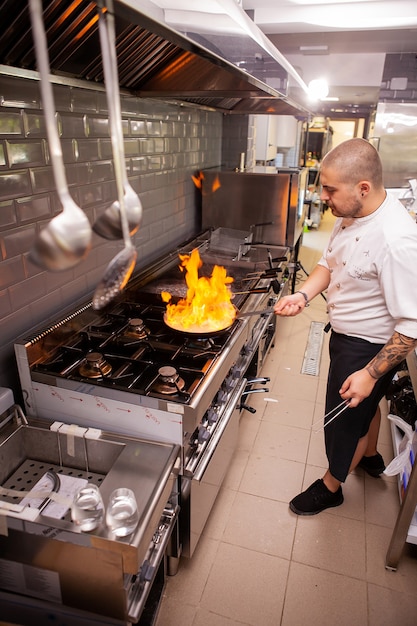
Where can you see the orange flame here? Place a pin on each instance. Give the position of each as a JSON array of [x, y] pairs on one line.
[[207, 306], [198, 181]]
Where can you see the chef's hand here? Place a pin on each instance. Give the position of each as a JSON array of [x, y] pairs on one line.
[[289, 306], [357, 387]]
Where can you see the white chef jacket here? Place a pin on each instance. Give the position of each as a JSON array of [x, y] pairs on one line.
[[373, 266]]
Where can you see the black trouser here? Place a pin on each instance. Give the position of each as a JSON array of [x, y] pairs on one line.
[[347, 355]]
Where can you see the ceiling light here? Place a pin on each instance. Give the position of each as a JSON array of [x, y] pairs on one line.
[[314, 49], [318, 89]]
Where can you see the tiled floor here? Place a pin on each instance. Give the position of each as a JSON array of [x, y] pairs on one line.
[[258, 564]]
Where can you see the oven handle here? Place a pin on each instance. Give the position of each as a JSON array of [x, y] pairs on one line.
[[140, 595], [233, 405]]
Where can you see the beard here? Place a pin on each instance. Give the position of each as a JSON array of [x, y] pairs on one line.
[[351, 209]]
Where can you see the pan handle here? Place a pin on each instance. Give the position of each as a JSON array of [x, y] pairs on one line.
[[259, 312]]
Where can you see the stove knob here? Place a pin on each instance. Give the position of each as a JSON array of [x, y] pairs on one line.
[[229, 383], [247, 350], [212, 416], [203, 434], [221, 396], [236, 372]]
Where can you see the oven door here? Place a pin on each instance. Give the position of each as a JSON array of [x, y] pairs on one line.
[[199, 491]]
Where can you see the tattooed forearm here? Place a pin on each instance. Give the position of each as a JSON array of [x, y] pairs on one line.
[[394, 351]]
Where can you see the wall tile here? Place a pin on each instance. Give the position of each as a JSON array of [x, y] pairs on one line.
[[69, 149], [12, 272], [15, 184], [154, 128], [7, 214], [17, 241], [22, 294], [72, 125], [138, 127], [34, 124], [146, 146], [131, 147], [90, 194], [87, 150], [5, 304], [138, 164], [84, 100], [10, 123], [21, 153], [100, 172], [96, 126], [42, 180], [62, 98], [19, 93]]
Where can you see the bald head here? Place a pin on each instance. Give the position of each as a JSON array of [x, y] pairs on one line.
[[356, 160]]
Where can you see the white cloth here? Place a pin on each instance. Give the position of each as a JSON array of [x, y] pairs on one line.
[[373, 266]]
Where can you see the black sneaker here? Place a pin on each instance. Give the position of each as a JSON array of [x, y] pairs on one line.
[[315, 499], [373, 465]]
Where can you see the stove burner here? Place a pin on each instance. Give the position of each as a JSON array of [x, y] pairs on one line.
[[202, 343], [169, 381], [95, 366], [137, 328]]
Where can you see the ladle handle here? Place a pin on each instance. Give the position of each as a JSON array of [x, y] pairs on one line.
[[108, 47], [41, 50]]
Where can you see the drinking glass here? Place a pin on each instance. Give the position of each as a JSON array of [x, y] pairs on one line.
[[87, 510], [122, 512]]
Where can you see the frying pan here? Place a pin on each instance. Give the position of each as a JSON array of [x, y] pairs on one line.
[[206, 334]]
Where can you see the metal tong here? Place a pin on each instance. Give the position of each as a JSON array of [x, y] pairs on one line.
[[339, 408]]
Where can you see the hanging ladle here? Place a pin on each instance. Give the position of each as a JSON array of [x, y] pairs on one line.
[[121, 267], [66, 240], [109, 224]]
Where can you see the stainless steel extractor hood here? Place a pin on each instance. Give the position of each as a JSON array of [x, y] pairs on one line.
[[213, 56]]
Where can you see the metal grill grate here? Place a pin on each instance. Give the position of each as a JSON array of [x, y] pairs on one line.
[[312, 354]]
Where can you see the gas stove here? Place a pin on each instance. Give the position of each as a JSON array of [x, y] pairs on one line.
[[129, 348], [125, 368]]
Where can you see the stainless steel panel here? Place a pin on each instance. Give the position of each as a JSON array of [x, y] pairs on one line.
[[200, 492], [297, 208], [266, 202], [395, 137], [242, 200], [88, 570]]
